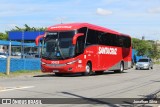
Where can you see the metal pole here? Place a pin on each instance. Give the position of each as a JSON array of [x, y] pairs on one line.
[[8, 60], [38, 51], [22, 45], [39, 48]]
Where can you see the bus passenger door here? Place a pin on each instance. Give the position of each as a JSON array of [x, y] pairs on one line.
[[79, 52]]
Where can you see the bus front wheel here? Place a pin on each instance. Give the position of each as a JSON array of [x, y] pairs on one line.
[[88, 70]]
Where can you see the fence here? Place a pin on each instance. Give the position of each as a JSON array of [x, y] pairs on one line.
[[20, 64]]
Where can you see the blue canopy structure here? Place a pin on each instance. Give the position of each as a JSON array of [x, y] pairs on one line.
[[14, 43], [22, 36]]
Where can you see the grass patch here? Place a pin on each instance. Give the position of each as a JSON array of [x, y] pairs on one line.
[[2, 74], [158, 62], [20, 73]]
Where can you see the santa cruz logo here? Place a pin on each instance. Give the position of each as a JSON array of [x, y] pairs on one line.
[[111, 51]]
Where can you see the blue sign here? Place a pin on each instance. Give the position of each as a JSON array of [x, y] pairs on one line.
[[26, 35]]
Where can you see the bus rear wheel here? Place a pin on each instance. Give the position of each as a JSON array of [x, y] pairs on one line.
[[88, 70], [121, 68]]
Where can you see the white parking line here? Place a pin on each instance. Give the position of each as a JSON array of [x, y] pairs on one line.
[[15, 88]]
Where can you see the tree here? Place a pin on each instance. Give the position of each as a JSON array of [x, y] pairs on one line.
[[3, 36], [28, 28], [17, 28], [155, 52], [148, 48], [135, 43], [143, 47]]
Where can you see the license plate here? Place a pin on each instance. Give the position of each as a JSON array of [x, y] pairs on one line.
[[55, 70]]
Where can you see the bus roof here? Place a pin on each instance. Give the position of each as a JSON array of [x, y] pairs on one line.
[[73, 26]]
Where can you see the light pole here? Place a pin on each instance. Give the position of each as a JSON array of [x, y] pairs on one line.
[[8, 62], [8, 59], [22, 45]]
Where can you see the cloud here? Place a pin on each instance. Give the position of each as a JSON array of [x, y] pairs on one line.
[[155, 10], [101, 11]]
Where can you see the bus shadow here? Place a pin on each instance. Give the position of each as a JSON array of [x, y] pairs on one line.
[[44, 75], [108, 73], [85, 100], [53, 75], [77, 74]]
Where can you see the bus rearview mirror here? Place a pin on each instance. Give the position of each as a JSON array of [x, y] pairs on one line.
[[76, 36], [38, 38]]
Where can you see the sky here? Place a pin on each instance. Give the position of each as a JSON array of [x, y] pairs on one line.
[[136, 18]]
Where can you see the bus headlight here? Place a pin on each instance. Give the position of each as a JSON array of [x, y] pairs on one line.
[[72, 62], [43, 63]]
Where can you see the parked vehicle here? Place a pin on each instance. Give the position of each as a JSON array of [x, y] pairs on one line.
[[3, 55], [31, 55], [144, 63], [13, 54], [17, 54]]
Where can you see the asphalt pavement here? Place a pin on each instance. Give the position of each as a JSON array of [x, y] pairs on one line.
[[130, 84]]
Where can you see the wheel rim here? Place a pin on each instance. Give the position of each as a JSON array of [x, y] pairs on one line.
[[121, 68], [87, 68]]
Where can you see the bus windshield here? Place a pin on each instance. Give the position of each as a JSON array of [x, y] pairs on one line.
[[58, 45]]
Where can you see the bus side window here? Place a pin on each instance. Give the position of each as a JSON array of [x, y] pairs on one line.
[[124, 41], [92, 38], [121, 41], [107, 39], [80, 45], [100, 38], [127, 42], [83, 30]]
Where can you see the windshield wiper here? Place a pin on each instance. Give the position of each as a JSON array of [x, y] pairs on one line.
[[46, 57], [57, 42], [56, 50]]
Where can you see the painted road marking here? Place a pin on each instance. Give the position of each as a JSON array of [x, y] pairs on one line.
[[14, 88]]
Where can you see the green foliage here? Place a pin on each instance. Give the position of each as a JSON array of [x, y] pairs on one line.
[[28, 28], [155, 52], [157, 62], [148, 48], [143, 47], [135, 42], [3, 36]]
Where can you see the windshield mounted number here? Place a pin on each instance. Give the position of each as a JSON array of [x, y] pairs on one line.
[[55, 62]]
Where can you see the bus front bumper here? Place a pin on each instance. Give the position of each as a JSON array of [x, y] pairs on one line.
[[60, 68]]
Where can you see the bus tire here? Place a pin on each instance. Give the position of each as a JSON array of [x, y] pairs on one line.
[[121, 68], [132, 64], [88, 70]]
